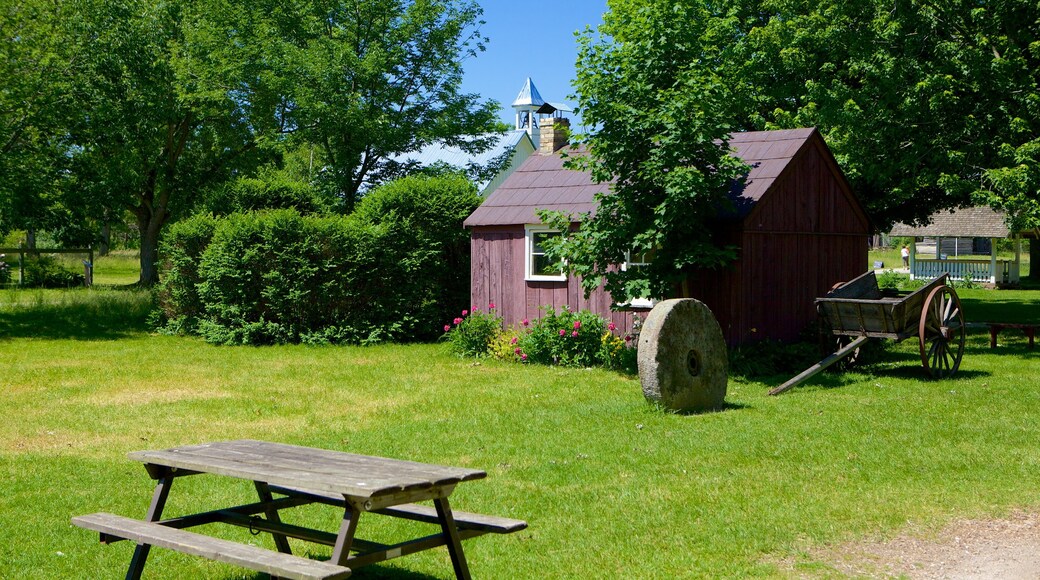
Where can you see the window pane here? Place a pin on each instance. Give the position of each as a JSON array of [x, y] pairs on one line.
[[543, 266]]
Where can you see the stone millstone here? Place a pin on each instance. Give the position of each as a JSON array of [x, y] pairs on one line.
[[682, 356]]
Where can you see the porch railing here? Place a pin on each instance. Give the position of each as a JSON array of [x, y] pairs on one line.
[[974, 270]]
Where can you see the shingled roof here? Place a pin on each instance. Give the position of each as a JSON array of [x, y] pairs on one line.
[[543, 183], [967, 222]]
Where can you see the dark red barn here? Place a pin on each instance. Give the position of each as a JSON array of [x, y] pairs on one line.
[[800, 231]]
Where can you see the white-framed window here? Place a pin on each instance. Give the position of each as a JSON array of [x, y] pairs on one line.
[[635, 261], [537, 266]]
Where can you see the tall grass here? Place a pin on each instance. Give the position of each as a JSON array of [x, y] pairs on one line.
[[611, 486]]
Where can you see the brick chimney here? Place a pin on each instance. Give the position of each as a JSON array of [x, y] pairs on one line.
[[554, 134]]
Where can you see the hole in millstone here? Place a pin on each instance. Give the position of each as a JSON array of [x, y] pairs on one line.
[[693, 363]]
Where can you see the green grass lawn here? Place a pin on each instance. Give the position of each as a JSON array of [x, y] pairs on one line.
[[610, 486]]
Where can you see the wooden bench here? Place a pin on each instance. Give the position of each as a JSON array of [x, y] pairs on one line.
[[996, 327], [277, 564], [420, 513]]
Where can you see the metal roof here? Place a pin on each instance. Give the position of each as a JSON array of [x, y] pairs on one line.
[[435, 153], [528, 96], [542, 182], [966, 222]]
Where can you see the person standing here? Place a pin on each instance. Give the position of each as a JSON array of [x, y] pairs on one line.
[[905, 253]]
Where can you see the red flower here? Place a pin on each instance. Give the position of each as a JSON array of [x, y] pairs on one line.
[[562, 332], [574, 333], [523, 357], [458, 321], [577, 324], [447, 327], [627, 338], [518, 351], [612, 327], [465, 312], [525, 322], [513, 341], [491, 306]]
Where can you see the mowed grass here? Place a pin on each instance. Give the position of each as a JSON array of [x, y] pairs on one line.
[[610, 486]]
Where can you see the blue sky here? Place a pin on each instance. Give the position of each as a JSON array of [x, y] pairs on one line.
[[534, 38]]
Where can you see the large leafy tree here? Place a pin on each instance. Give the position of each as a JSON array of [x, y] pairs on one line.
[[169, 99], [649, 85], [927, 105], [36, 68]]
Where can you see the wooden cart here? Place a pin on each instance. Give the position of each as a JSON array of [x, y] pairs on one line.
[[859, 311]]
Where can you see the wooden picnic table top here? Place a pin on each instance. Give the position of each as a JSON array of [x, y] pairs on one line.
[[355, 476]]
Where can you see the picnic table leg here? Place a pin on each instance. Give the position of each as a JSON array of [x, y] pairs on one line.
[[280, 541], [347, 528], [994, 330], [162, 491], [451, 533]]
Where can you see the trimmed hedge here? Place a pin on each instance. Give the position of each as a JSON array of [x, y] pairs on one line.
[[276, 277]]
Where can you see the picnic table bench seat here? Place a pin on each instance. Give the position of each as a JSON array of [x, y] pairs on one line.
[[417, 512], [277, 564]]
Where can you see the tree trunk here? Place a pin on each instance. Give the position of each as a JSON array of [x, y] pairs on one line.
[[106, 239], [149, 223], [30, 238]]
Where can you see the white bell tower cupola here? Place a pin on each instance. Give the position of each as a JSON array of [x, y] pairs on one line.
[[526, 104]]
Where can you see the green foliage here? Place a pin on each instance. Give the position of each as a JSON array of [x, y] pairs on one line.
[[180, 306], [891, 280], [391, 271], [431, 209], [926, 105], [565, 338], [269, 189], [474, 334], [48, 272], [647, 82]]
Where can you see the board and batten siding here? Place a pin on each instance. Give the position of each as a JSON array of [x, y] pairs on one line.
[[498, 278]]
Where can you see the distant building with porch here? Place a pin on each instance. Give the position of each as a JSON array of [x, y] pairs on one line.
[[964, 232]]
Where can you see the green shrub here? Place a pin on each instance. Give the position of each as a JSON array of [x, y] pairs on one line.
[[430, 209], [473, 334], [48, 272], [180, 307], [5, 270], [891, 280], [566, 338]]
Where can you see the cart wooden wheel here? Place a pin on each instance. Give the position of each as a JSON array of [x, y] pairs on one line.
[[942, 332]]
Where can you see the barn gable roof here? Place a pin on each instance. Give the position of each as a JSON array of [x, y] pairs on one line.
[[543, 183]]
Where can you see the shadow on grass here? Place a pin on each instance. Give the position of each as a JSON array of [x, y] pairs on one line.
[[77, 315]]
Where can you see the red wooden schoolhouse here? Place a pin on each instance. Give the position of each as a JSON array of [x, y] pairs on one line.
[[799, 230]]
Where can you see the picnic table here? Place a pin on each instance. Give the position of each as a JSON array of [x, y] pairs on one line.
[[299, 476]]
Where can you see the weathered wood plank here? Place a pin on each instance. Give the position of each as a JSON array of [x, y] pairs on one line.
[[251, 557], [820, 366], [353, 475], [420, 513]]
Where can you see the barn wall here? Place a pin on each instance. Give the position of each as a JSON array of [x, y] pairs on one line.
[[497, 277]]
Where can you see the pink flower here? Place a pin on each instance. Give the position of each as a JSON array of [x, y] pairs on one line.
[[611, 327], [491, 306], [514, 340], [447, 327], [465, 312], [525, 322], [517, 351], [458, 321], [574, 333], [562, 332], [577, 324], [523, 357]]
